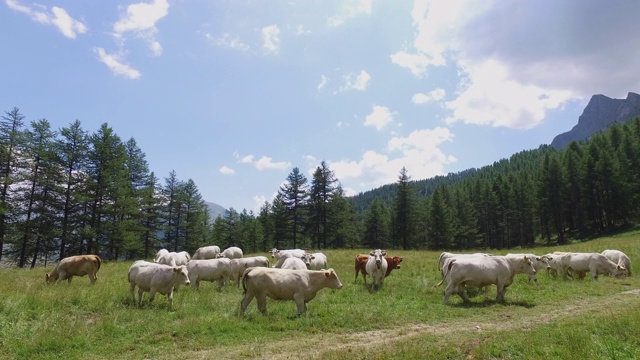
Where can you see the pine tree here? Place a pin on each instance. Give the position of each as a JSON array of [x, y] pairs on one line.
[[294, 195], [441, 220], [341, 222], [404, 211], [320, 198], [376, 227]]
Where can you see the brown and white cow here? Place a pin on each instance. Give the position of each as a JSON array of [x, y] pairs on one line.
[[79, 265], [155, 278], [238, 266], [597, 264], [393, 263], [619, 258], [300, 286], [484, 271], [376, 267], [206, 252]]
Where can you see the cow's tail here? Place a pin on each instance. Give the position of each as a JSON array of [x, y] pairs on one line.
[[99, 261], [445, 272], [245, 276]]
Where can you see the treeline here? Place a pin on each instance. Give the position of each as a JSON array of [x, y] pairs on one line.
[[68, 192]]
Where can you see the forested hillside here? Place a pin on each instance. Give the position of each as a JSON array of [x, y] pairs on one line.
[[68, 192]]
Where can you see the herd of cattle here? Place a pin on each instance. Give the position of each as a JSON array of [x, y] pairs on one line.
[[298, 275]]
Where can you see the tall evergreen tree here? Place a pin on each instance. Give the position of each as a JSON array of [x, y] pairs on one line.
[[376, 227], [441, 220], [341, 222], [320, 197], [552, 196], [294, 194], [404, 211]]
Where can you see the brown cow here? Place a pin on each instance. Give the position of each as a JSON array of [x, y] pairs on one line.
[[79, 265], [361, 263]]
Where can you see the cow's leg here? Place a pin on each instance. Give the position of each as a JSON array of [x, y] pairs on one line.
[[69, 277], [262, 303], [501, 292], [132, 288], [246, 300], [301, 305], [140, 294], [170, 297], [462, 293], [152, 295], [220, 283], [448, 291]]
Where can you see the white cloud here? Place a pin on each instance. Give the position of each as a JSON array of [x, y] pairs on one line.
[[225, 170], [493, 98], [140, 20], [247, 159], [417, 63], [350, 10], [227, 40], [323, 82], [419, 153], [379, 117], [266, 162], [115, 64], [58, 17], [360, 83], [434, 95], [271, 38]]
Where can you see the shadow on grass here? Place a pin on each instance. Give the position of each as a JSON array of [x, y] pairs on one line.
[[490, 302]]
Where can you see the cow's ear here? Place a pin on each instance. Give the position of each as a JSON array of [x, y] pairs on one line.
[[175, 269], [312, 257], [327, 273], [46, 276], [372, 253]]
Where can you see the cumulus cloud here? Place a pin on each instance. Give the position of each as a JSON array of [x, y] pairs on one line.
[[226, 40], [58, 17], [266, 162], [115, 63], [350, 9], [359, 82], [323, 82], [271, 38], [419, 153], [225, 170], [140, 20], [434, 95], [379, 117]]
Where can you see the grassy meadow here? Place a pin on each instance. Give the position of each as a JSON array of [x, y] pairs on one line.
[[558, 319]]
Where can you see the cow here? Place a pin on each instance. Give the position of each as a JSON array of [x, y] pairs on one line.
[[288, 254], [275, 253], [160, 254], [539, 263], [156, 278], [238, 266], [315, 261], [619, 258], [175, 258], [484, 271], [300, 286], [445, 259], [232, 253], [377, 268], [79, 265], [594, 263], [294, 263], [209, 270], [393, 262], [206, 252]]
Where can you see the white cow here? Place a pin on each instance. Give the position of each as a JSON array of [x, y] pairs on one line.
[[484, 271], [207, 252], [376, 268], [152, 278], [275, 253], [159, 254], [315, 261], [594, 263], [232, 253], [300, 286], [238, 266], [284, 255], [538, 262], [175, 258], [218, 270], [619, 258], [293, 263], [446, 257]]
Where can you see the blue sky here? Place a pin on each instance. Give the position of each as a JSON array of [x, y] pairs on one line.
[[235, 94]]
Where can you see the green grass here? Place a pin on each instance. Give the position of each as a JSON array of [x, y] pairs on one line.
[[559, 319]]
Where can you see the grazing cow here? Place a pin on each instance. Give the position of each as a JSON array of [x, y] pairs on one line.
[[377, 268], [445, 259], [300, 286], [538, 262], [293, 263], [361, 264], [484, 271], [238, 266], [315, 261], [619, 258], [594, 263], [232, 253], [206, 252], [152, 278], [79, 265], [160, 254], [275, 253], [175, 258], [210, 270], [284, 256]]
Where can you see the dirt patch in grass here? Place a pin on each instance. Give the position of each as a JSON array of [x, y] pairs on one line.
[[315, 346]]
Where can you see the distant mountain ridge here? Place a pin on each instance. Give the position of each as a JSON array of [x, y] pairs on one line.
[[215, 210], [600, 113]]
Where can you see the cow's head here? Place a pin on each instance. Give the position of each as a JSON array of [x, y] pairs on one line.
[[544, 260], [397, 260], [528, 265], [274, 251], [621, 271], [332, 278], [306, 258], [49, 278], [182, 274], [378, 255]]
